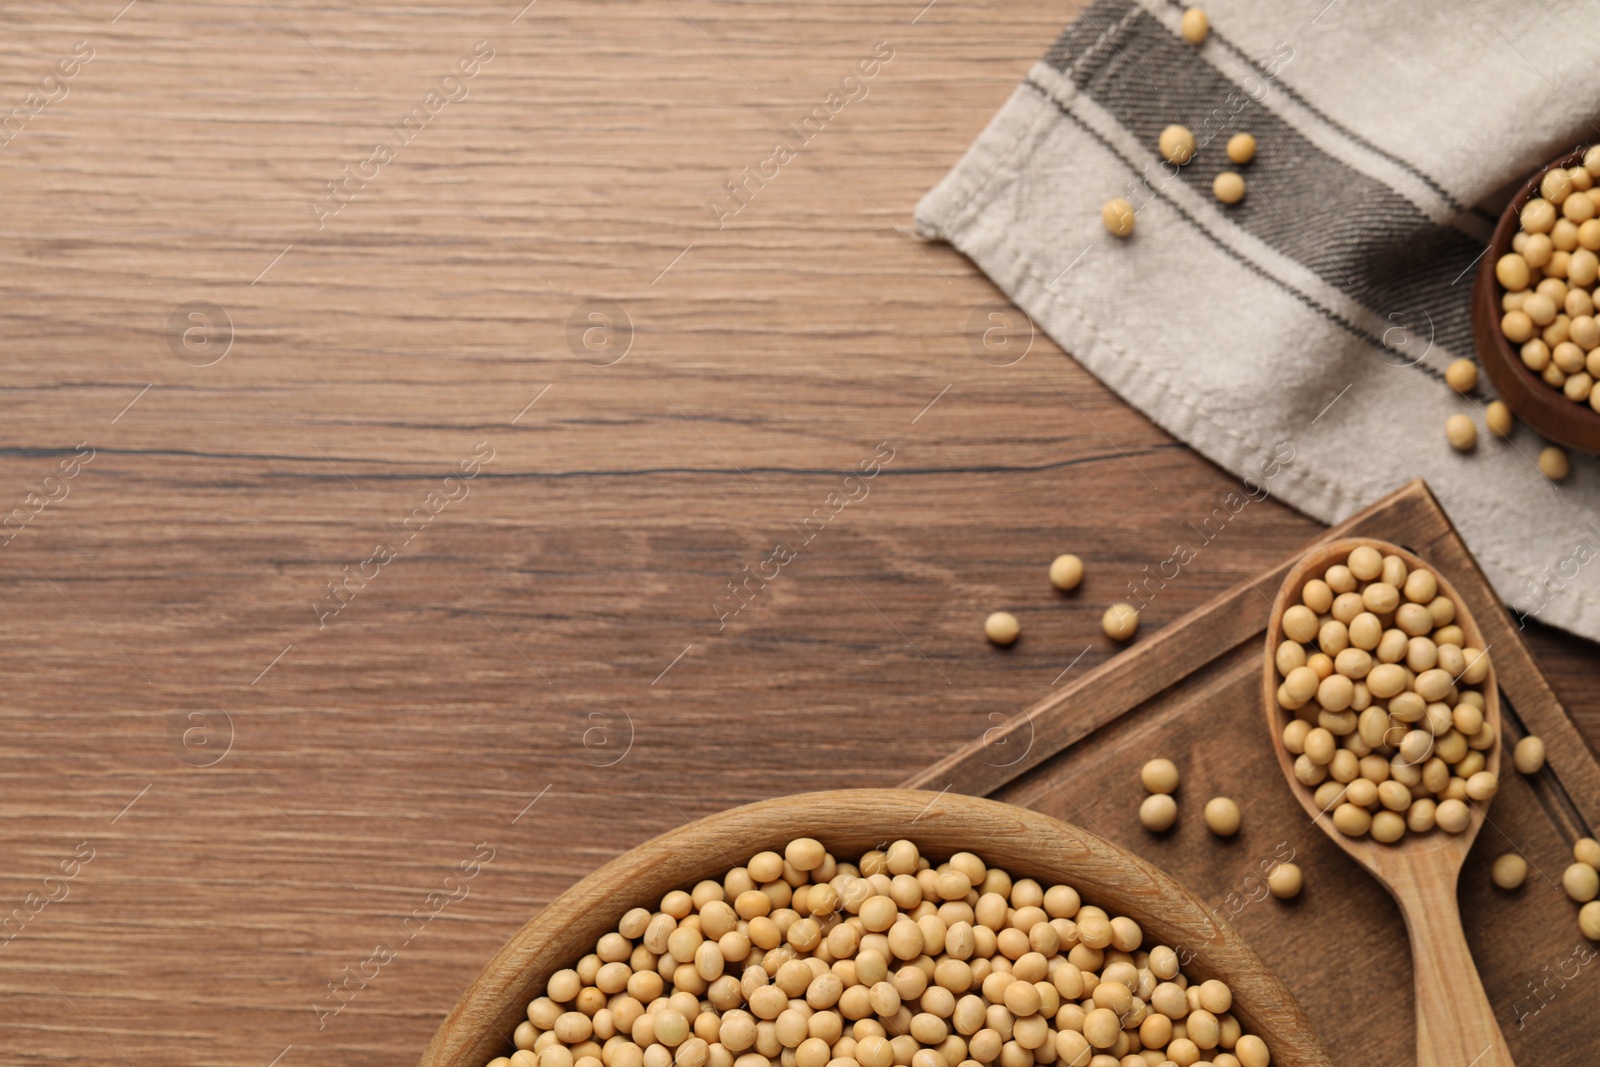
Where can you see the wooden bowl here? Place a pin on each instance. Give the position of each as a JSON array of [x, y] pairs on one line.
[[850, 822], [1541, 407]]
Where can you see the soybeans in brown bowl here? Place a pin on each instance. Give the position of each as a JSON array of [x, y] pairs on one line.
[[838, 948], [1548, 280], [1533, 306], [1385, 691]]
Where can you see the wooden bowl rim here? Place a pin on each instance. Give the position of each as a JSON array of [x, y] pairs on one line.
[[1314, 564], [1536, 403], [1024, 842]]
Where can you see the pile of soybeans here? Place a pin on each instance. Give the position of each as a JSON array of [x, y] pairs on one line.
[[1385, 700], [799, 960]]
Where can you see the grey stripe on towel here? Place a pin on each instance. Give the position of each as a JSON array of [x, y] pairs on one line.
[[1354, 232]]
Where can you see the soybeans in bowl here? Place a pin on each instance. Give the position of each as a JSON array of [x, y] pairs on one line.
[[1112, 917], [801, 959], [1548, 281]]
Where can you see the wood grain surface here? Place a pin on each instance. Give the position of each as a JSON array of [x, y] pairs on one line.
[[252, 793]]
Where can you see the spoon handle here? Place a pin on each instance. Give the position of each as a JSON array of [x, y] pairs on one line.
[[1455, 1022]]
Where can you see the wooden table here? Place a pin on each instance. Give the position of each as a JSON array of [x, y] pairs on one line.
[[226, 783]]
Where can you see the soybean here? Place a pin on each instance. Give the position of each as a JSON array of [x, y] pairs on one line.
[[1120, 622], [1510, 870], [1463, 435], [1581, 882], [1159, 776], [1228, 187], [1462, 375], [1222, 816], [1284, 882], [1498, 417], [1117, 214], [1529, 755], [1002, 628], [1553, 464], [1589, 920], [1066, 571], [1158, 812], [1176, 144]]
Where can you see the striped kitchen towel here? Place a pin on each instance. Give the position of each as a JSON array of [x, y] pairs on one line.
[[1299, 338]]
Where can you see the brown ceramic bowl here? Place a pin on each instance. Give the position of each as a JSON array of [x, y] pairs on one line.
[[850, 822], [1535, 403]]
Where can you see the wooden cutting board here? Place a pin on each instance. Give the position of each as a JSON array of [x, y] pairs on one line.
[[1191, 692]]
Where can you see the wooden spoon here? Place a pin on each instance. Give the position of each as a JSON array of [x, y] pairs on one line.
[[1455, 1023]]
